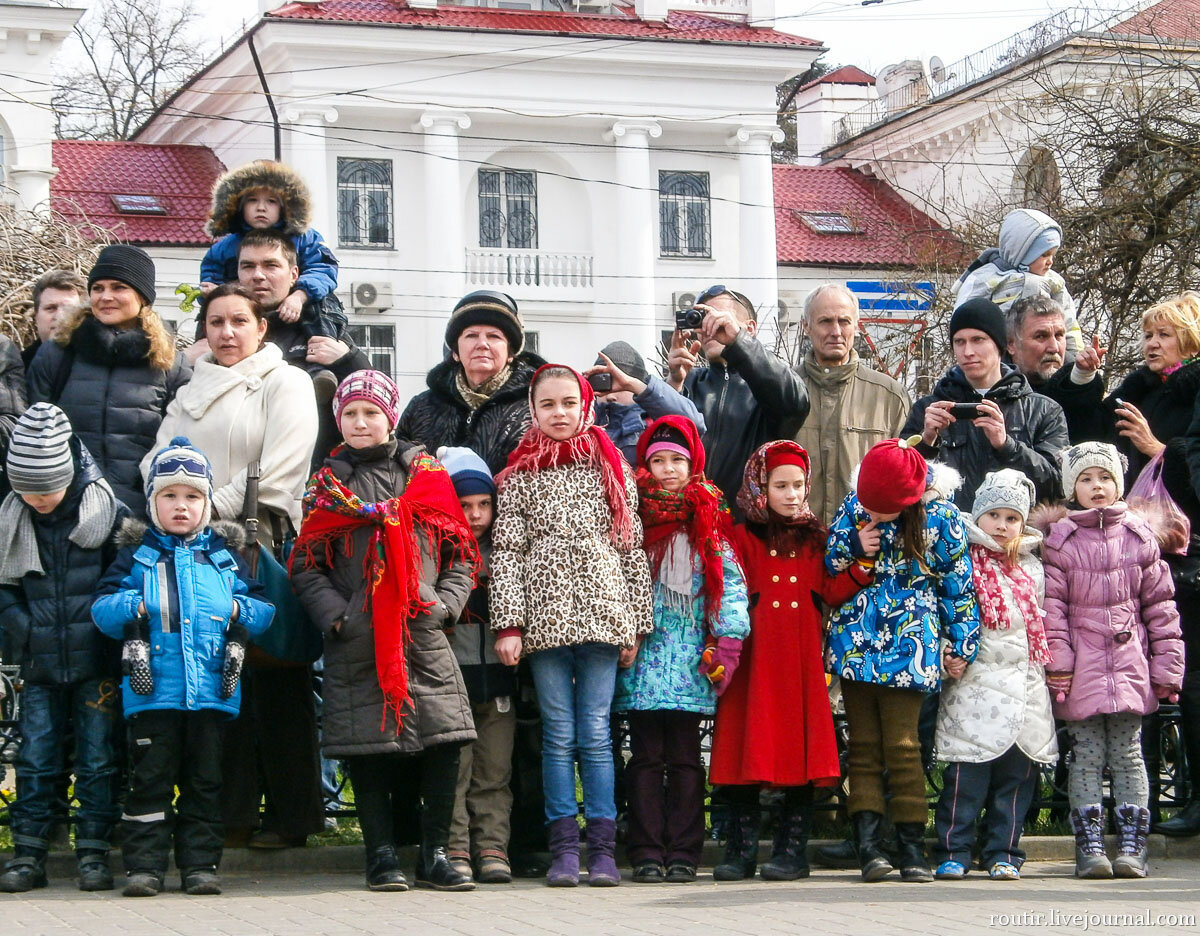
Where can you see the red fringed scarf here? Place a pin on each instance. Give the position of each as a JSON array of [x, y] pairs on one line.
[[392, 564], [589, 445], [984, 563], [698, 510]]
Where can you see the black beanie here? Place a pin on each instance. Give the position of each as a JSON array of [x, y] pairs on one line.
[[984, 315], [487, 307], [127, 264], [625, 357]]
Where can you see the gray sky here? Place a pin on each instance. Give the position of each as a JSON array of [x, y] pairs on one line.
[[870, 37]]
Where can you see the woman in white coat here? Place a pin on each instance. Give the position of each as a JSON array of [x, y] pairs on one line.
[[246, 404], [995, 725]]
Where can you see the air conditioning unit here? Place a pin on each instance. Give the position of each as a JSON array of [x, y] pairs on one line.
[[791, 308], [371, 297], [681, 301]]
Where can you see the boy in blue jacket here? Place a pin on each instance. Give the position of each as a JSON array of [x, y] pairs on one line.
[[57, 536], [183, 579]]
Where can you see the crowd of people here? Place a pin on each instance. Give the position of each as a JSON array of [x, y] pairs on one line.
[[188, 526]]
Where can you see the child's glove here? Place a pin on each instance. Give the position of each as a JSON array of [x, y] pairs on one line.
[[135, 656], [1167, 694], [236, 637], [1060, 685], [719, 661]]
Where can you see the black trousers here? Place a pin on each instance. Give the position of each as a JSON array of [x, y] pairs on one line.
[[271, 754], [170, 748], [385, 784], [1005, 787], [666, 821]]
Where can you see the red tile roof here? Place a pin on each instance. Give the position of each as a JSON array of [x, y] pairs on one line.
[[180, 177], [693, 27], [847, 74], [890, 232], [1168, 19]]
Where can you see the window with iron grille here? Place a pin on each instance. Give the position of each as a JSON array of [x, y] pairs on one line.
[[364, 199], [683, 214], [377, 342], [533, 342], [507, 208]]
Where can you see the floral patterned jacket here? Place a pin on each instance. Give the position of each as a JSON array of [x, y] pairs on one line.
[[889, 633]]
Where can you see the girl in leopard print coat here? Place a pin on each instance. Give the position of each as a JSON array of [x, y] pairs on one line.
[[570, 588]]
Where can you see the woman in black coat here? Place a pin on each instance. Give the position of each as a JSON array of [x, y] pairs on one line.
[[113, 369], [1152, 411]]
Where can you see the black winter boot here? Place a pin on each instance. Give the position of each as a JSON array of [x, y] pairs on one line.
[[1184, 823], [871, 856], [1133, 828], [433, 866], [93, 870], [1087, 822], [741, 845], [23, 873], [383, 870], [789, 857], [913, 865]]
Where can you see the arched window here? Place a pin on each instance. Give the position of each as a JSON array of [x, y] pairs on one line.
[[1037, 183], [683, 214]]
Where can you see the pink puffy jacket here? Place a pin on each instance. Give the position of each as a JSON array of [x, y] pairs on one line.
[[1110, 613]]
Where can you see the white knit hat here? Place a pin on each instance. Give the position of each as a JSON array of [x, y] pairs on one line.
[[39, 451], [1079, 458], [179, 462], [1006, 489]]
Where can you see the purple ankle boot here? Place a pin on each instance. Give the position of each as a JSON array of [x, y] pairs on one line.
[[563, 835], [601, 842]]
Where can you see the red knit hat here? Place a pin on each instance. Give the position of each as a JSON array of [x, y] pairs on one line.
[[891, 476], [785, 453]]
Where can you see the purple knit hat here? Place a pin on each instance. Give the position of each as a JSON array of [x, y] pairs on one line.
[[374, 387]]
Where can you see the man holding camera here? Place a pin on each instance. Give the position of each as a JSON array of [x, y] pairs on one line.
[[983, 415], [747, 395]]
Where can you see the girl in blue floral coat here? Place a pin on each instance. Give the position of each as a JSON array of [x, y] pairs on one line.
[[884, 644], [669, 684]]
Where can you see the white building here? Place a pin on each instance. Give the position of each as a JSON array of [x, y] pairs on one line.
[[594, 163]]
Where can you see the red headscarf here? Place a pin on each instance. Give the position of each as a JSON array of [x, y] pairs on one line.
[[699, 510], [752, 498], [588, 445]]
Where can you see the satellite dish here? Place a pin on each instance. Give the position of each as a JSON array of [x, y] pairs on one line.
[[936, 70]]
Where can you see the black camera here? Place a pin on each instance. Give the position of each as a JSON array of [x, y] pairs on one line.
[[688, 319], [601, 383]]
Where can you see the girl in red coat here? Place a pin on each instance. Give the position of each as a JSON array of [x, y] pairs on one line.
[[774, 726]]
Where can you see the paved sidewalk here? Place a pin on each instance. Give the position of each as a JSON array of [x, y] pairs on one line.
[[830, 902]]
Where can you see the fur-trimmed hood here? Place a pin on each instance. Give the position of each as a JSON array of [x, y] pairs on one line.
[[225, 216], [132, 530]]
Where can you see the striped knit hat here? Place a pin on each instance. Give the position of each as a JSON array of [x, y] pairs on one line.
[[39, 452], [374, 387], [179, 462]]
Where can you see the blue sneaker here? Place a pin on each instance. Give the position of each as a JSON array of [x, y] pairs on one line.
[[950, 871], [1003, 871]]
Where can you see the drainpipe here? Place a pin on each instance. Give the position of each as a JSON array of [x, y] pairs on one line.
[[267, 94]]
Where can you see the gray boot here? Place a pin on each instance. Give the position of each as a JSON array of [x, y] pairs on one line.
[[1087, 823], [1133, 828]]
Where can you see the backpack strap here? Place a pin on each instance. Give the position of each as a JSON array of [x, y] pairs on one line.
[[223, 560], [147, 556]]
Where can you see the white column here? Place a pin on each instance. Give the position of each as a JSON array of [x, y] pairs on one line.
[[32, 185], [758, 264], [637, 216], [304, 150], [445, 241]]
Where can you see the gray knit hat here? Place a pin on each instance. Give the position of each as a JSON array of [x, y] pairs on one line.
[[1079, 458], [179, 462], [39, 452], [1005, 489], [625, 356]]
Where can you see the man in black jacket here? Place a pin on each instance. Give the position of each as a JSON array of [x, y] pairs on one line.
[[747, 395], [1012, 427], [1037, 347]]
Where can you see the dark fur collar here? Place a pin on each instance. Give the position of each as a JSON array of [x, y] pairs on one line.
[[132, 530], [102, 344], [441, 380]]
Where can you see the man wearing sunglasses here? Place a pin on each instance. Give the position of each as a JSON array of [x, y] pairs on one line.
[[746, 394]]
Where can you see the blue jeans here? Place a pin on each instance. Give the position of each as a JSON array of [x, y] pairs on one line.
[[575, 690], [46, 711]]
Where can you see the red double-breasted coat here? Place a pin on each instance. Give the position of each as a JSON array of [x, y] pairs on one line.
[[774, 725]]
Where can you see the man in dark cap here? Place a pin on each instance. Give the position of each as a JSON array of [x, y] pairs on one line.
[[1009, 426]]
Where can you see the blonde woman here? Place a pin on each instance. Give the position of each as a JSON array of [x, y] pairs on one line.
[[112, 368]]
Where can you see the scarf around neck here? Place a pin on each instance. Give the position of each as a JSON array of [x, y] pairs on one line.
[[476, 398], [590, 445], [392, 564], [987, 567], [698, 511], [19, 555]]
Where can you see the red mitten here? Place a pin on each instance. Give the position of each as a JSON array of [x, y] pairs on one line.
[[719, 661], [1060, 685]]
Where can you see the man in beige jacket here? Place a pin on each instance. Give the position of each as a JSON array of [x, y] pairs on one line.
[[853, 406]]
